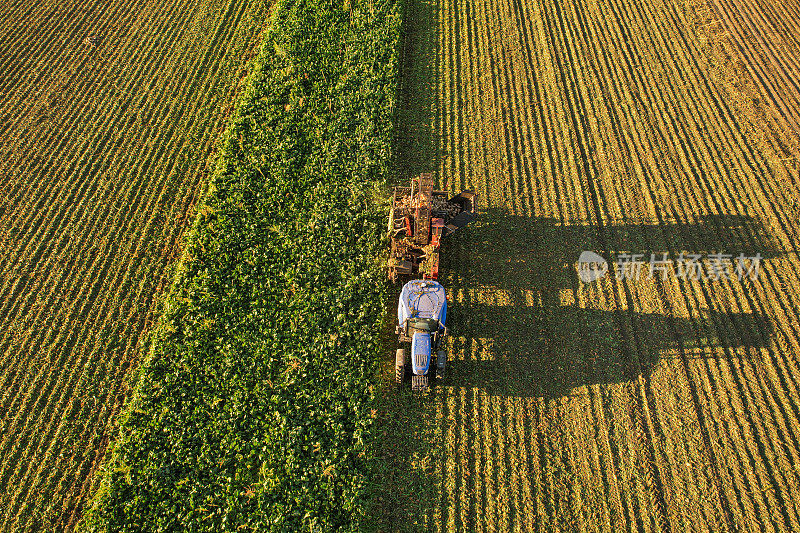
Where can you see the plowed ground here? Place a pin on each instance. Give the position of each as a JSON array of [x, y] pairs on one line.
[[652, 404], [763, 42], [108, 112]]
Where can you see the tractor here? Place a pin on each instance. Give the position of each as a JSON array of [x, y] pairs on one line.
[[421, 314], [418, 220]]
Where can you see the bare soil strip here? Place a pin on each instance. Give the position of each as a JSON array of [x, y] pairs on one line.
[[765, 37]]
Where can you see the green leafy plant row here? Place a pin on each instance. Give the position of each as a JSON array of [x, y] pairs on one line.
[[253, 408]]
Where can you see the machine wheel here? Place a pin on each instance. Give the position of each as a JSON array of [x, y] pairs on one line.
[[419, 383], [441, 363], [400, 365]]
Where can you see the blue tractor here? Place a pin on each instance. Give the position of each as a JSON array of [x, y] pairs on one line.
[[421, 315]]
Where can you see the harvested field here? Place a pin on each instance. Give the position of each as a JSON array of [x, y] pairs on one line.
[[108, 112], [762, 36], [652, 404]]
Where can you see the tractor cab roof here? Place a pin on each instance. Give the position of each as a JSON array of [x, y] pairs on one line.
[[422, 299]]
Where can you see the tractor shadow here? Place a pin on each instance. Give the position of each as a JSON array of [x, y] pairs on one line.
[[536, 342]]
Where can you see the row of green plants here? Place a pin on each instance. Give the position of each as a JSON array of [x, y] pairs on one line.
[[253, 408]]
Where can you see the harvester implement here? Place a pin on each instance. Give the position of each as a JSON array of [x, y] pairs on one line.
[[418, 220]]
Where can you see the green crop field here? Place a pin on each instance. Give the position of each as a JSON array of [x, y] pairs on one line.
[[108, 113], [253, 410]]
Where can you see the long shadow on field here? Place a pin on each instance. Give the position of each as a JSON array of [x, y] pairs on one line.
[[516, 328], [504, 251], [550, 353], [517, 332]]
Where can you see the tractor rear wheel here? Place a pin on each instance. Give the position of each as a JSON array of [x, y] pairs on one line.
[[441, 363], [419, 383], [399, 365]]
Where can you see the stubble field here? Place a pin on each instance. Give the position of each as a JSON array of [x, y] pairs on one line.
[[655, 404], [108, 112]]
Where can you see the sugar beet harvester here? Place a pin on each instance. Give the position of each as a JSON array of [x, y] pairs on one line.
[[419, 218]]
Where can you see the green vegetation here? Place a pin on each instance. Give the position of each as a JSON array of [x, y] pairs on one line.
[[252, 410]]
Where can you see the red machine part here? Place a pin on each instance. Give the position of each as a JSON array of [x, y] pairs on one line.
[[416, 234], [437, 226], [434, 267]]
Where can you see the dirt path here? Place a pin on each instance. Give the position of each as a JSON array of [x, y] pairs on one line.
[[649, 404]]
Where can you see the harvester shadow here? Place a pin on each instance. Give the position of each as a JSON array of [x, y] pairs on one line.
[[505, 251], [530, 351], [534, 341]]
